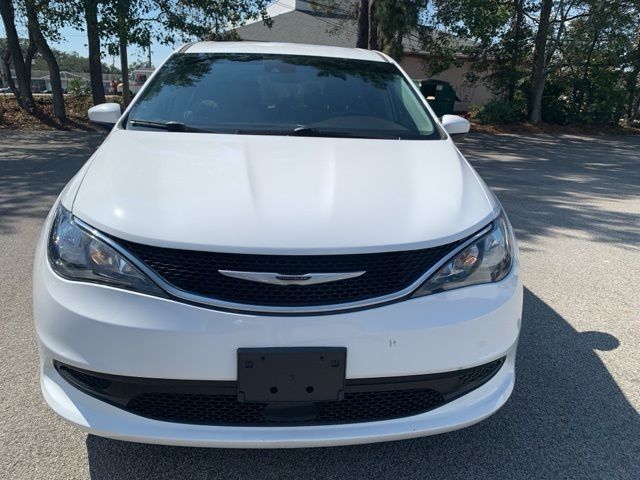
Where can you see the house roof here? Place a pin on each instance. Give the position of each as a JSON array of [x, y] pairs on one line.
[[297, 26], [286, 49], [64, 75]]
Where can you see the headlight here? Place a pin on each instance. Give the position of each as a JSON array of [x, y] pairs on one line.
[[486, 260], [76, 254]]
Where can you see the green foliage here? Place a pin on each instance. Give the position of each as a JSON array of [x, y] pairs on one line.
[[67, 61], [79, 87], [556, 107], [397, 20], [501, 112], [185, 20], [70, 62], [592, 56], [598, 55]]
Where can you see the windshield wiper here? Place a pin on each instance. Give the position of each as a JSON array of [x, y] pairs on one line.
[[301, 131], [305, 131], [168, 126]]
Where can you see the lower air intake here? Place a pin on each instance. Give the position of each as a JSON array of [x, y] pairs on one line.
[[216, 403]]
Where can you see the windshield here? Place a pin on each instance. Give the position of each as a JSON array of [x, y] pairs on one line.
[[282, 95]]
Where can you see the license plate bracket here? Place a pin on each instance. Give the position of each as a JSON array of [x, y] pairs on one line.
[[291, 374]]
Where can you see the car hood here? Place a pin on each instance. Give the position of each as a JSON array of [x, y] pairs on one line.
[[250, 193]]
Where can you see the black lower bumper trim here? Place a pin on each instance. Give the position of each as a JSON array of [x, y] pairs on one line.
[[216, 402]]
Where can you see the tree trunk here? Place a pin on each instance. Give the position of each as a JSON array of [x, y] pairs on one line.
[[25, 97], [35, 32], [636, 109], [123, 39], [632, 81], [631, 94], [374, 42], [586, 90], [538, 73], [5, 69], [363, 25], [124, 67], [95, 61], [631, 86], [515, 51], [28, 59]]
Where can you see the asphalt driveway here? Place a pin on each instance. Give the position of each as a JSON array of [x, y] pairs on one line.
[[575, 204]]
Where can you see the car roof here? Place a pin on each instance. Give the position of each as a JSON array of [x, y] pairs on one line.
[[284, 49]]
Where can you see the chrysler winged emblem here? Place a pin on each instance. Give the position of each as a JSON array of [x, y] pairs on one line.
[[280, 279]]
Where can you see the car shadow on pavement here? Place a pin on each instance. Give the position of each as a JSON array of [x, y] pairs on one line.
[[567, 418]]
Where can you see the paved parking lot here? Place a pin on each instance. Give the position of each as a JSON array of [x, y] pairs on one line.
[[575, 204]]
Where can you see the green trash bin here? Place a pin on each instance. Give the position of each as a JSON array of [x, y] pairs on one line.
[[440, 94]]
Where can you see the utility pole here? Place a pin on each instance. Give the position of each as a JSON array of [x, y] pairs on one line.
[[149, 61]]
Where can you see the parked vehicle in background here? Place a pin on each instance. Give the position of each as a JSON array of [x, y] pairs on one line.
[[136, 80], [278, 245]]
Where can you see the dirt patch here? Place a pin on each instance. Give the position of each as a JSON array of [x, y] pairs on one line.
[[15, 118], [550, 129]]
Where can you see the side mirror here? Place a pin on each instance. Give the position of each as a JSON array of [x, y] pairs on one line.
[[455, 125], [106, 114]]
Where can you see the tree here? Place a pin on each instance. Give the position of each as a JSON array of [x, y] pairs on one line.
[[122, 25], [127, 22], [632, 77], [184, 20], [396, 20], [124, 15], [367, 26], [90, 11], [554, 19], [69, 61], [503, 57], [5, 67], [561, 61], [25, 97], [42, 46], [592, 77], [363, 24], [538, 73], [385, 24], [515, 37]]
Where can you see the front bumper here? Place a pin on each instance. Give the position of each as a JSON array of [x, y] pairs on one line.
[[99, 418], [108, 330]]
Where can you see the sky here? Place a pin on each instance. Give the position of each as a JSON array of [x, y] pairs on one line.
[[76, 41]]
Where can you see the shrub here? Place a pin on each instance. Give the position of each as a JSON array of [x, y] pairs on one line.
[[501, 112], [79, 86]]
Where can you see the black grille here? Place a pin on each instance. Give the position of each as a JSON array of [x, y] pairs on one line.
[[196, 408], [197, 272], [226, 410], [216, 403], [474, 374], [91, 381], [370, 406]]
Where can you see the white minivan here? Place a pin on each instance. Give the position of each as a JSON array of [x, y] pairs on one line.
[[277, 245]]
